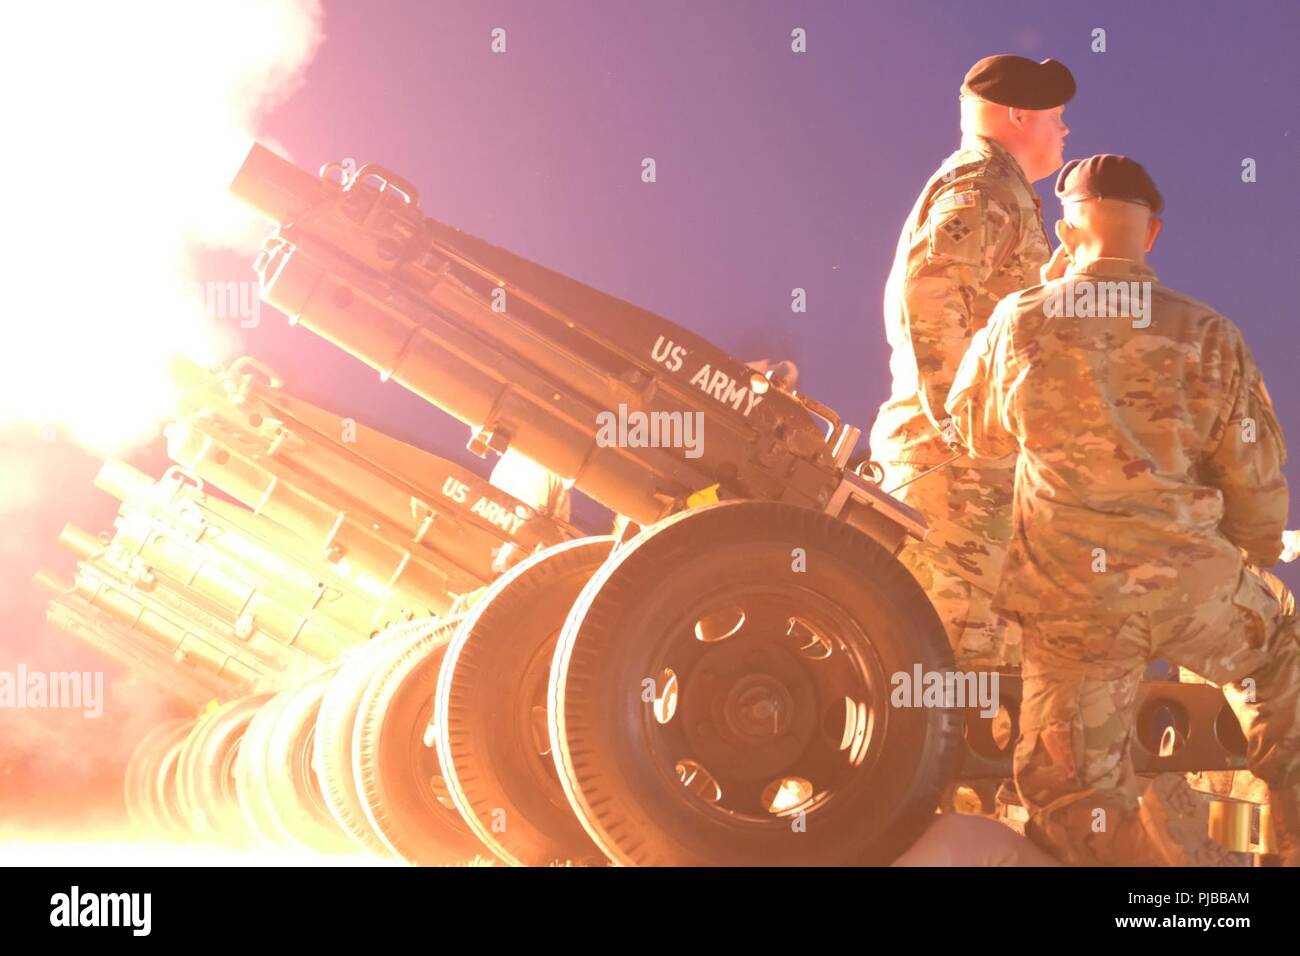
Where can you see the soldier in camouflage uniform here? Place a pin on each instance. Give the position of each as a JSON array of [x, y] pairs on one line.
[[974, 235], [1149, 492], [546, 493], [532, 484]]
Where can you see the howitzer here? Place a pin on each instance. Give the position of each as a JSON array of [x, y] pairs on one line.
[[139, 658], [345, 531], [705, 683], [194, 635], [158, 600], [374, 532], [720, 688], [530, 358], [410, 530], [258, 574]]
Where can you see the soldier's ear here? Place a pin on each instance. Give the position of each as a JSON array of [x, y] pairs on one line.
[[1066, 234], [1153, 230]]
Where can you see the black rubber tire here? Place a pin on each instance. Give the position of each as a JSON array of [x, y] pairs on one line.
[[619, 772], [496, 671], [251, 773], [206, 771], [335, 723], [297, 807], [397, 770], [152, 758]]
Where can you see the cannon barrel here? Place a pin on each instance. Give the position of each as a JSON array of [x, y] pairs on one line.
[[257, 573], [410, 530], [534, 360], [183, 624], [141, 658], [272, 555], [167, 627], [112, 562], [276, 188]]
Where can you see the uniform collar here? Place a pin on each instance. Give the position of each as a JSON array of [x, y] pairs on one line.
[[1113, 267], [992, 148]]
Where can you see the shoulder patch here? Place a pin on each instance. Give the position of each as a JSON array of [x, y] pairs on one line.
[[956, 227], [958, 199]]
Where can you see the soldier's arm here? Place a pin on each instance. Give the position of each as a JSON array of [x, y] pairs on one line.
[[1248, 452], [966, 237], [561, 501], [980, 401]]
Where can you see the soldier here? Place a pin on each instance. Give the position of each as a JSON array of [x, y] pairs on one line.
[[546, 493], [974, 235], [532, 484], [1148, 484]]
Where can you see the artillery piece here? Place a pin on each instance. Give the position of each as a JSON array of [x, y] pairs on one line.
[[710, 687], [713, 690], [191, 579], [718, 692], [411, 529]]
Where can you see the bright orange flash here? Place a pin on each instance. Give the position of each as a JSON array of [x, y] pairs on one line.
[[124, 125]]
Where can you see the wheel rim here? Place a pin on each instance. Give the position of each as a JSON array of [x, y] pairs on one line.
[[530, 715], [767, 703], [305, 773]]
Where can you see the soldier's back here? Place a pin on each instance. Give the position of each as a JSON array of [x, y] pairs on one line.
[[1122, 384]]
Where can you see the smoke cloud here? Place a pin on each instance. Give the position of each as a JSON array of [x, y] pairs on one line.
[[124, 125]]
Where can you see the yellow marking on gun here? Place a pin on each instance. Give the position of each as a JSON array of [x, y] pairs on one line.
[[705, 496]]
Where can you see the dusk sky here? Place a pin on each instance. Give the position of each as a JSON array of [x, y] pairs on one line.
[[775, 170]]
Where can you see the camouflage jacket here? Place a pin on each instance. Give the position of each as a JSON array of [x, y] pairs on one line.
[[974, 236], [1149, 450]]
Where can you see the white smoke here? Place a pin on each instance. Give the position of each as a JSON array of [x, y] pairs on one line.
[[125, 124]]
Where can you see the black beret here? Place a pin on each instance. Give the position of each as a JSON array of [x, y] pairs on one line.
[[1107, 176], [1020, 82]]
